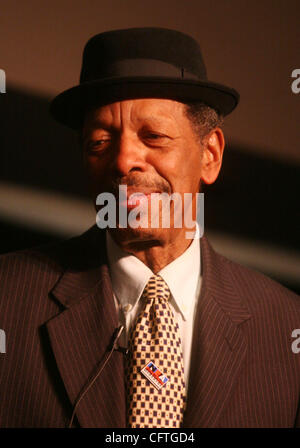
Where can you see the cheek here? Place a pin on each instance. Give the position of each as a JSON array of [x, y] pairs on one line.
[[181, 169], [192, 166], [92, 169], [95, 175], [94, 166]]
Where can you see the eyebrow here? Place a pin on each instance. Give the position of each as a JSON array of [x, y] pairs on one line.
[[99, 124], [154, 119]]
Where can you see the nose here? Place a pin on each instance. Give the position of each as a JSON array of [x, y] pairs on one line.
[[128, 156]]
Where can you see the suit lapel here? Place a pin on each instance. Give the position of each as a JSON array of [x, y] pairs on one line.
[[81, 336], [219, 347]]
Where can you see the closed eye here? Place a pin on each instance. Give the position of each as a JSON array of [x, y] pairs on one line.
[[97, 145], [155, 138]]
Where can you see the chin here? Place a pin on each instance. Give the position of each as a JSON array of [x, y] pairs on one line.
[[131, 236]]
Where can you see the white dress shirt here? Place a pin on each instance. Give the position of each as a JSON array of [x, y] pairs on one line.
[[129, 277]]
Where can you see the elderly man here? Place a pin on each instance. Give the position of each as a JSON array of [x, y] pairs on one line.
[[141, 326]]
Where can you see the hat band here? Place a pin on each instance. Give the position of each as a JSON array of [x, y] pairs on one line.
[[137, 67]]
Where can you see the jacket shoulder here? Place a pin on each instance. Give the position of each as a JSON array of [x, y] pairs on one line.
[[262, 294], [26, 262]]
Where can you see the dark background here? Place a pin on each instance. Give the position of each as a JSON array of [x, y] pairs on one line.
[[251, 212]]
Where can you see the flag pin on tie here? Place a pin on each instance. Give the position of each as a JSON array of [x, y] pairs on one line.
[[154, 375]]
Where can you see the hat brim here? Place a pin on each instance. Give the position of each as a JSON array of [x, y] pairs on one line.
[[69, 107]]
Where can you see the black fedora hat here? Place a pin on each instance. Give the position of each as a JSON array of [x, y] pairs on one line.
[[140, 63]]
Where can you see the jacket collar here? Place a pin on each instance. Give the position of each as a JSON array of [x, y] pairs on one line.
[[81, 335], [219, 346]]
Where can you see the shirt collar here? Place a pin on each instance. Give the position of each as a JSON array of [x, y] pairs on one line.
[[130, 275], [182, 277]]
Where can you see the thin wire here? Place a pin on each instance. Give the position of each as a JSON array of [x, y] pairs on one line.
[[88, 386]]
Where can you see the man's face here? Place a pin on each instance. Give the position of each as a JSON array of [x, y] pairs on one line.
[[148, 145]]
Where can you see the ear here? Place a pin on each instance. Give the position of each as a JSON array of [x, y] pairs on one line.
[[213, 148]]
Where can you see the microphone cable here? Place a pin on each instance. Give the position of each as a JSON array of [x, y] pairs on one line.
[[90, 382]]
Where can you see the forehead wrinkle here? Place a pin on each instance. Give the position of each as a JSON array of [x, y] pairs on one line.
[[114, 117], [110, 117], [153, 112], [158, 119], [153, 118], [98, 124]]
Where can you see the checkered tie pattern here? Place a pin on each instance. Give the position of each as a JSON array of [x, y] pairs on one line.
[[155, 338]]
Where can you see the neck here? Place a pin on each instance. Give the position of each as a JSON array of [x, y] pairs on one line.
[[155, 251]]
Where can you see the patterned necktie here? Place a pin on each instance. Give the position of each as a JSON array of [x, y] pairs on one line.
[[154, 370]]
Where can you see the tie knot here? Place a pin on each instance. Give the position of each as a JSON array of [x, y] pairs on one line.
[[157, 288]]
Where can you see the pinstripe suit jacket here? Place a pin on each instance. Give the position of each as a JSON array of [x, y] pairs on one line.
[[58, 313]]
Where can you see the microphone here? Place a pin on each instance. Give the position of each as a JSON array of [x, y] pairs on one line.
[[116, 337], [112, 347]]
